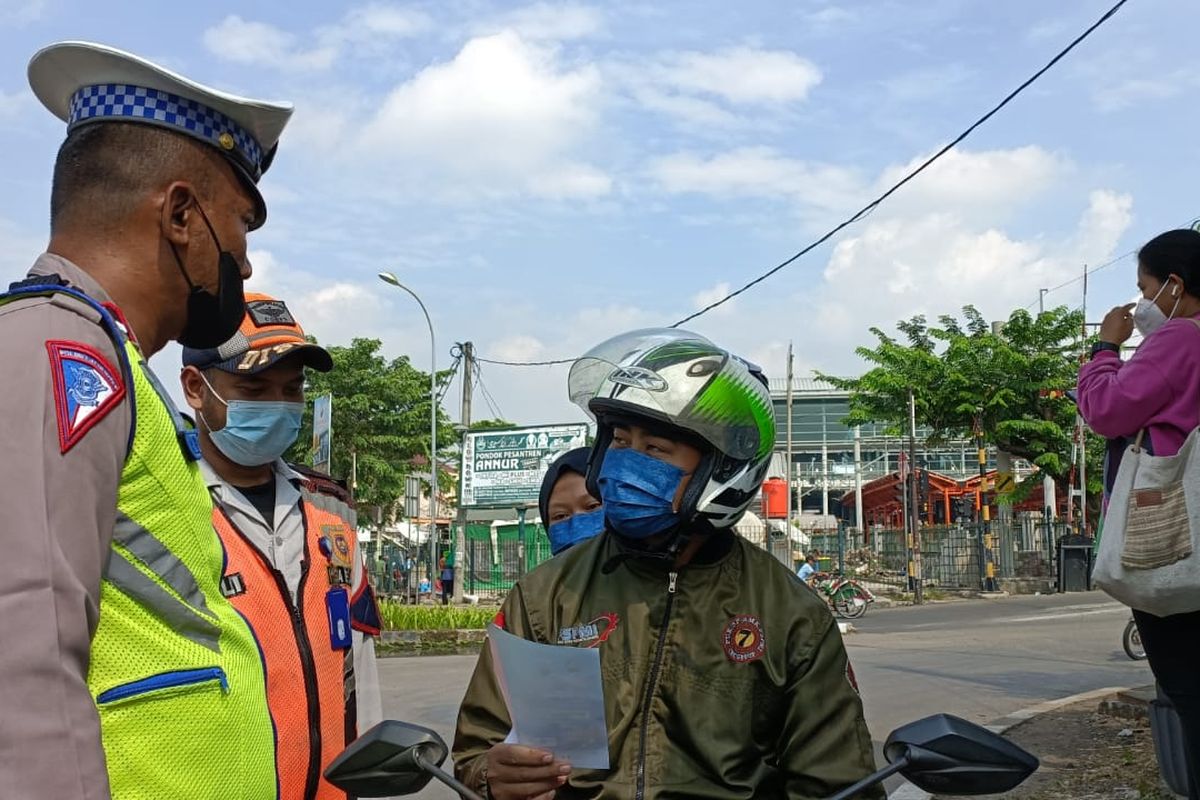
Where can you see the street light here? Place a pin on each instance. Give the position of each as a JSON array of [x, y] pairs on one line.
[[388, 277]]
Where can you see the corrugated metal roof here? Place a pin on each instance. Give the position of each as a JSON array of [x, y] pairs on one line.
[[778, 387]]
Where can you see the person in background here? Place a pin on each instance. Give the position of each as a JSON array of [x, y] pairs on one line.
[[568, 510], [1157, 390], [808, 568], [447, 580], [293, 565]]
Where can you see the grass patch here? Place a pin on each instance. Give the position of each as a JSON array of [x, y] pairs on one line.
[[403, 617]]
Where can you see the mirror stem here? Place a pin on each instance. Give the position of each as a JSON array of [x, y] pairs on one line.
[[443, 776], [872, 779]]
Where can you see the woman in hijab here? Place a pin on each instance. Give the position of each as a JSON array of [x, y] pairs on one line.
[[569, 513]]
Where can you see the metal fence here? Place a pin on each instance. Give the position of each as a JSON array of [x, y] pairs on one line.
[[952, 556]]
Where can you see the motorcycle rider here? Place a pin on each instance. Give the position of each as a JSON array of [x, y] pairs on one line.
[[723, 676]]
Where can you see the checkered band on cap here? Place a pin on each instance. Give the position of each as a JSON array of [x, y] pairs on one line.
[[119, 101]]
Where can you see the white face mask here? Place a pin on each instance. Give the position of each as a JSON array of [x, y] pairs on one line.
[[1148, 317]]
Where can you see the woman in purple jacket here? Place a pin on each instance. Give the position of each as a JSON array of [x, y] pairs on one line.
[[1158, 390]]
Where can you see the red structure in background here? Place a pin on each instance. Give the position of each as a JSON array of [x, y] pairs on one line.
[[946, 500], [775, 502]]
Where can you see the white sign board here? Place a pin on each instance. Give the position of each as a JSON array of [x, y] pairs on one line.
[[504, 469]]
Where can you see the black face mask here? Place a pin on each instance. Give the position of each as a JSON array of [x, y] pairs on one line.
[[213, 318]]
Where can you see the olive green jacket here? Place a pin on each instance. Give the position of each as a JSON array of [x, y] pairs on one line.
[[727, 680]]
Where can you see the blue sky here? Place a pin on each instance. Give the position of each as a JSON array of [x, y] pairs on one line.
[[547, 175]]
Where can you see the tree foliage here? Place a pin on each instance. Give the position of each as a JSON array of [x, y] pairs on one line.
[[380, 418], [964, 375]]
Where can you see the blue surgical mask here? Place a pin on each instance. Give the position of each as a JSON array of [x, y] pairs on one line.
[[638, 493], [256, 432], [575, 529]]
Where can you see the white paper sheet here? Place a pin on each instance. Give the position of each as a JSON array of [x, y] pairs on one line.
[[554, 697]]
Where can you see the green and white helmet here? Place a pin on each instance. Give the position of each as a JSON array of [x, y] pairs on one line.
[[682, 382]]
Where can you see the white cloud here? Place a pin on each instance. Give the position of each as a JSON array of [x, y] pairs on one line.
[[19, 13], [742, 75], [706, 297], [261, 44], [1124, 94], [718, 88], [504, 116], [14, 104], [549, 22], [517, 348]]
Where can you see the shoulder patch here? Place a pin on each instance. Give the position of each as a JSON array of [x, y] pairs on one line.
[[86, 388]]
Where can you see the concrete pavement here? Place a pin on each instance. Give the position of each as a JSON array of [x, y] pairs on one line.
[[979, 659]]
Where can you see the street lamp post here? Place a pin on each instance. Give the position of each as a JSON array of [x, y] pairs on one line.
[[388, 277]]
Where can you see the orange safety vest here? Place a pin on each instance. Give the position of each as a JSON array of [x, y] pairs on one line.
[[310, 684]]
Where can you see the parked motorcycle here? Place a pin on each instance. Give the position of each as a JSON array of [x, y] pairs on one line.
[[941, 754]]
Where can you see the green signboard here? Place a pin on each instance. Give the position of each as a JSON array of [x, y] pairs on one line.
[[504, 469]]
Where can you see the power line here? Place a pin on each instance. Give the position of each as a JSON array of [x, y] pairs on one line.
[[1193, 223], [867, 209], [914, 173], [551, 363], [492, 404]]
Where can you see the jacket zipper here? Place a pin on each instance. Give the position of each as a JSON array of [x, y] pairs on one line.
[[300, 631], [651, 684], [165, 680]]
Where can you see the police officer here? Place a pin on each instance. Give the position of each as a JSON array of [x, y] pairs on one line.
[[293, 566], [124, 670]]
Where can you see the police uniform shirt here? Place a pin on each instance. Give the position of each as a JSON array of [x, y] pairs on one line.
[[59, 513], [282, 543]]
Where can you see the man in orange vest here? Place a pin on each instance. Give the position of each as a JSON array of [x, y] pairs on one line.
[[293, 566]]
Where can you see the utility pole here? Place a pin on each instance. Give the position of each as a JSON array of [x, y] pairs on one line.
[[460, 524], [914, 505], [1042, 300], [987, 569], [788, 449]]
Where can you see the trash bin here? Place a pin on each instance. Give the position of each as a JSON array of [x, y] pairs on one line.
[[1168, 743], [1075, 559]]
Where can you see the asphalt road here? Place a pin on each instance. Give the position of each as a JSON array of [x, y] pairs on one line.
[[979, 659]]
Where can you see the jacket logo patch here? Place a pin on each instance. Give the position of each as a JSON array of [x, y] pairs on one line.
[[86, 388], [590, 634], [743, 639]]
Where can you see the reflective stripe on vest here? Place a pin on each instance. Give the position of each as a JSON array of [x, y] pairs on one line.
[[174, 670], [305, 675]]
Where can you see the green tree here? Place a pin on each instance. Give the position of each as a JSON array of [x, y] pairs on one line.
[[964, 377], [380, 420]]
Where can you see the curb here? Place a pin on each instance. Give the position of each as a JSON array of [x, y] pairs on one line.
[[907, 791]]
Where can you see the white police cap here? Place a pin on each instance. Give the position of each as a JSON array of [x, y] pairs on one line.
[[83, 82]]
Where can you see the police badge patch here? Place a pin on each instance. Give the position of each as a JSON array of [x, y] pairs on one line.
[[269, 312], [86, 388]]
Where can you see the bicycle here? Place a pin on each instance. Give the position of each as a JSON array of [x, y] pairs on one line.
[[1131, 640], [847, 597]]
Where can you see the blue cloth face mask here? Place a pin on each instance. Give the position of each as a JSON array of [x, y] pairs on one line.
[[638, 493], [575, 529], [256, 432]]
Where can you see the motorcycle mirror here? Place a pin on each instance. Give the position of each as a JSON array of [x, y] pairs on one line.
[[948, 755], [389, 759]]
